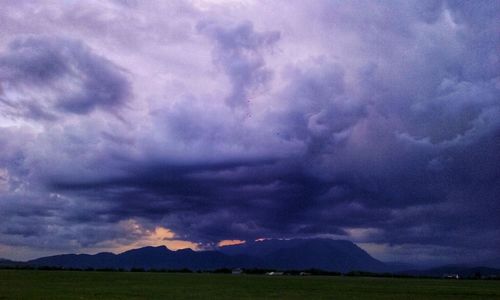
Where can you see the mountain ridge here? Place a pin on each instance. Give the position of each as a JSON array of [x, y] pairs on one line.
[[293, 254], [326, 254]]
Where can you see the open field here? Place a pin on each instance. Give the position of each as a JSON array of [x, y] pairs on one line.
[[33, 284]]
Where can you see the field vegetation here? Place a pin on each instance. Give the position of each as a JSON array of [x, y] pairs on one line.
[[46, 284]]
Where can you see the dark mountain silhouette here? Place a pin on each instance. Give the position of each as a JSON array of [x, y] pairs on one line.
[[325, 254], [148, 258], [7, 263], [493, 263], [295, 254]]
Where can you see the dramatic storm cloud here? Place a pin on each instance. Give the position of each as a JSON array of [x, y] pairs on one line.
[[188, 123]]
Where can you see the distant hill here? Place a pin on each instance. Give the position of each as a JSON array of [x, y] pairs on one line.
[[325, 254], [493, 263], [461, 270], [6, 263]]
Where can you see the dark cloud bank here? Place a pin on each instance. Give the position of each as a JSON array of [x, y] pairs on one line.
[[400, 150]]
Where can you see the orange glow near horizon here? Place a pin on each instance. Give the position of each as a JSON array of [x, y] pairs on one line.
[[180, 244], [162, 233], [164, 236], [159, 236], [230, 242]]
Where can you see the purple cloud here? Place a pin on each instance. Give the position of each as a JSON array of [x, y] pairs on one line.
[[45, 75], [238, 52], [370, 121]]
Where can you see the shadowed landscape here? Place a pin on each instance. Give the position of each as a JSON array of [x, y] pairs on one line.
[[111, 285]]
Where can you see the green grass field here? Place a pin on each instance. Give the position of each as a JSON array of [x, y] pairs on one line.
[[30, 284]]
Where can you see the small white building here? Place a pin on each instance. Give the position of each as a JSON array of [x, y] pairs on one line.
[[274, 273]]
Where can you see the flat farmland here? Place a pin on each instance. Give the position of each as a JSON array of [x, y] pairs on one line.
[[37, 284]]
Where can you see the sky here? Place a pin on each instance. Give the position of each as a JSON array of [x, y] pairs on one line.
[[195, 123]]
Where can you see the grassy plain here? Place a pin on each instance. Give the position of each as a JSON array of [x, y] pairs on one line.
[[37, 284]]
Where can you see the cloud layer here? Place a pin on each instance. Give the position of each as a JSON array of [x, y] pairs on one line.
[[212, 120]]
